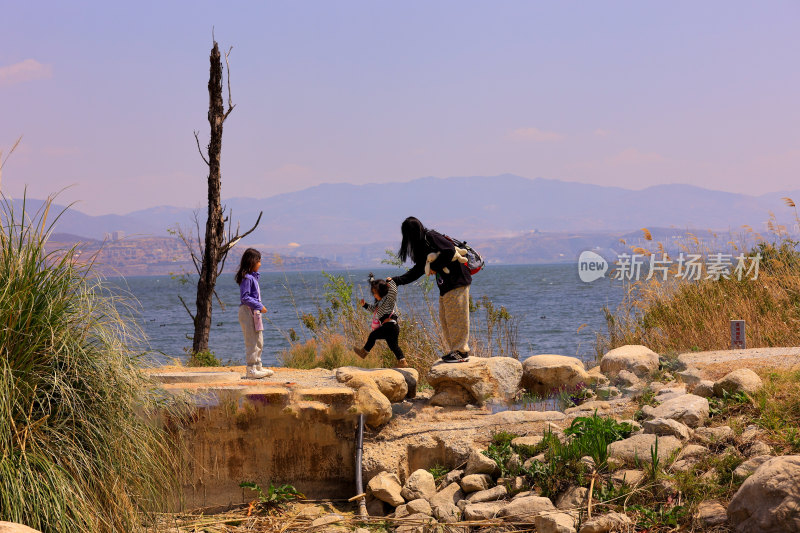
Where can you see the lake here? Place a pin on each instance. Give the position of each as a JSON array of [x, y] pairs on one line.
[[549, 301]]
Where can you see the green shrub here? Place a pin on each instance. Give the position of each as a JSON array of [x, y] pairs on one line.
[[204, 358], [76, 452]]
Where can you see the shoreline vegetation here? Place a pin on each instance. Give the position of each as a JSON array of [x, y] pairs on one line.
[[81, 449]]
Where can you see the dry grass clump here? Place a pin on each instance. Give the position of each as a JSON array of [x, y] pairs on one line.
[[677, 314]]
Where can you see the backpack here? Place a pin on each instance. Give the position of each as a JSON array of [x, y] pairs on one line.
[[474, 260]]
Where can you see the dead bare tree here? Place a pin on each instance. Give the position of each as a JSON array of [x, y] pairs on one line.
[[209, 254]]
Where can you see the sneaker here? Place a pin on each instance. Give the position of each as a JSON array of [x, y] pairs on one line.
[[455, 357], [361, 352], [401, 363], [254, 373]]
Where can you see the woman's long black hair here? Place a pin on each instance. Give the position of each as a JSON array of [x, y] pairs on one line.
[[413, 244], [250, 257]]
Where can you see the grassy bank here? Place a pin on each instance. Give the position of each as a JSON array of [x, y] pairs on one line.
[[77, 454]]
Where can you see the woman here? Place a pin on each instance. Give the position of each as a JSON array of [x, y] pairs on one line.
[[417, 243]]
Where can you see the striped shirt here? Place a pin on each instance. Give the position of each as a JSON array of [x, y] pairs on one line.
[[386, 306]]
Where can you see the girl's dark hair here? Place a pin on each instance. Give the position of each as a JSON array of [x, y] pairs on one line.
[[378, 285], [413, 244], [250, 257]]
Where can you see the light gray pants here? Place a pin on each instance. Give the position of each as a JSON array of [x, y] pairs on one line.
[[253, 340], [454, 316]]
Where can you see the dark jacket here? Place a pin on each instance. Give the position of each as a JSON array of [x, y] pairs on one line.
[[459, 275]]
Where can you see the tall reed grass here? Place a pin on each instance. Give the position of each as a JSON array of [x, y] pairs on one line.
[[76, 450], [677, 314]]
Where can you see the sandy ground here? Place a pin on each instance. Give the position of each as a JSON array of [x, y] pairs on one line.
[[716, 363]]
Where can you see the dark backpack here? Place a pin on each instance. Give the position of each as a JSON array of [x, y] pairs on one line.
[[474, 260]]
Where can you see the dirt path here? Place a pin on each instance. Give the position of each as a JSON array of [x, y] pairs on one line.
[[716, 363]]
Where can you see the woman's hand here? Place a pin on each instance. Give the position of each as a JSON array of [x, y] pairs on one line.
[[263, 309], [388, 279], [361, 302]]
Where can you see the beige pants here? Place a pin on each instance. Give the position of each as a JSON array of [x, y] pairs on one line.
[[253, 340], [454, 316]]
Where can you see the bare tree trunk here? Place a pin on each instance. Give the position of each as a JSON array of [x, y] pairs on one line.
[[214, 249]]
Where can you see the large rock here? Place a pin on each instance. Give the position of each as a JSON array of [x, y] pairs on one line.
[[741, 380], [451, 394], [555, 523], [376, 407], [419, 506], [390, 382], [573, 498], [711, 514], [638, 447], [748, 468], [480, 464], [666, 426], [482, 511], [715, 435], [488, 495], [10, 527], [420, 484], [542, 374], [444, 503], [475, 483], [635, 358], [769, 500], [607, 523], [524, 510], [482, 377], [689, 409], [386, 487]]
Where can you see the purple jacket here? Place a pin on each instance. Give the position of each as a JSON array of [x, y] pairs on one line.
[[250, 292]]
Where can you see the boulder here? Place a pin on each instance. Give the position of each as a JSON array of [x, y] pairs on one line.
[[451, 394], [710, 514], [741, 380], [475, 482], [443, 503], [555, 523], [488, 495], [748, 468], [691, 376], [596, 377], [611, 522], [386, 487], [666, 426], [482, 511], [480, 464], [668, 393], [629, 477], [420, 484], [715, 435], [419, 506], [389, 381], [525, 510], [482, 377], [638, 447], [693, 451], [690, 409], [530, 440], [10, 527], [635, 358], [704, 389], [453, 476], [376, 408], [626, 378], [542, 374], [769, 500], [573, 498], [759, 448]]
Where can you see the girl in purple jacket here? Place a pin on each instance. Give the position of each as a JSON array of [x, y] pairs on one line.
[[250, 313]]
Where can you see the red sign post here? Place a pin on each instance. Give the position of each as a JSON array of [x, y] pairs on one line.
[[738, 335]]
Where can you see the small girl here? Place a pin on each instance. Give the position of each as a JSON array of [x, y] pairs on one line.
[[250, 313], [384, 319]]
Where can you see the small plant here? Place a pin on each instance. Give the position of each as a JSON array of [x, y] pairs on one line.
[[274, 500], [664, 515], [203, 358], [654, 467], [503, 438], [438, 471]]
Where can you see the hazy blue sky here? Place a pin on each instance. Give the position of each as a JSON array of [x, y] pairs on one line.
[[616, 93]]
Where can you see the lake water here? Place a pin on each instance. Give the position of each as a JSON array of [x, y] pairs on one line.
[[550, 302]]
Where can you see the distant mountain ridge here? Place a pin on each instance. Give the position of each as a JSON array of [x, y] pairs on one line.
[[476, 207]]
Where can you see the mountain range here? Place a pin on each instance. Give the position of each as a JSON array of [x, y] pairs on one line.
[[477, 207]]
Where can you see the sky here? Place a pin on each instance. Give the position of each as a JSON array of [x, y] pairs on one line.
[[107, 95]]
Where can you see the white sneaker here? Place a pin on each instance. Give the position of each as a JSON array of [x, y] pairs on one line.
[[254, 373], [261, 368]]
